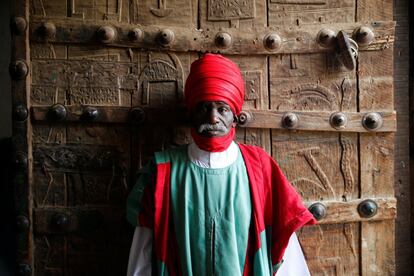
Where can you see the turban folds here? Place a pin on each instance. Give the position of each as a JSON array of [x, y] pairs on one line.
[[215, 78]]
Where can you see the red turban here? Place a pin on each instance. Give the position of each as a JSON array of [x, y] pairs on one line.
[[215, 78]]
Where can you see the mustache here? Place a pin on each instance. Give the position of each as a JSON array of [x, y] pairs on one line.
[[210, 127]]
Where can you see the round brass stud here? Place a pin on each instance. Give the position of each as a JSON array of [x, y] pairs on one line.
[[272, 42], [18, 69], [367, 208], [18, 25], [290, 120], [60, 222], [137, 115], [318, 210], [372, 121], [24, 270], [20, 112], [326, 38], [47, 30], [363, 36], [135, 34], [244, 118], [20, 160], [57, 112], [106, 34], [165, 37], [90, 113], [223, 40], [22, 223], [338, 120]]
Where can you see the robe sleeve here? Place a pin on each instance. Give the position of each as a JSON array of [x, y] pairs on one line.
[[140, 254], [140, 213], [140, 202], [287, 210], [294, 262]]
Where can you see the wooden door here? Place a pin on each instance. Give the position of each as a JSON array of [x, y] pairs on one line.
[[98, 87]]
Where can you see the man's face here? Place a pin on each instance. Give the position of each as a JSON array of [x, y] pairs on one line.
[[212, 119]]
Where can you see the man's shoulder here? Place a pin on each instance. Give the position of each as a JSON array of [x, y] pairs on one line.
[[167, 155], [253, 150]]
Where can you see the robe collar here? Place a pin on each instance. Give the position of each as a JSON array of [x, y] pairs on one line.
[[213, 160]]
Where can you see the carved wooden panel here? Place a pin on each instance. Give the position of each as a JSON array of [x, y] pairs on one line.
[[319, 170], [165, 12], [232, 13], [331, 249], [302, 12], [311, 82], [74, 173]]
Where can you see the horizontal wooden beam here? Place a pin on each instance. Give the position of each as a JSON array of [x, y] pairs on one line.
[[342, 212], [295, 39], [62, 220], [48, 220], [306, 120]]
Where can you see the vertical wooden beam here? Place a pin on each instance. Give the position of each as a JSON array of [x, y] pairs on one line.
[[21, 133], [403, 246]]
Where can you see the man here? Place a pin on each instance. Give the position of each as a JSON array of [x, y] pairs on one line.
[[214, 207]]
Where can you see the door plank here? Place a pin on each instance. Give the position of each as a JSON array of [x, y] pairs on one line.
[[377, 151]]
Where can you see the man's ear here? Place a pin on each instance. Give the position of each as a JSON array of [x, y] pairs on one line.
[[235, 121]]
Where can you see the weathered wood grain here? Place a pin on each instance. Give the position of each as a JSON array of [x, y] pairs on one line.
[[294, 39], [321, 166], [181, 13], [332, 249], [305, 12], [377, 151], [114, 10], [226, 13]]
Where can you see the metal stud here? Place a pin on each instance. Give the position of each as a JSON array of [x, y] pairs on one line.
[[326, 38], [272, 42], [165, 37], [22, 223], [338, 120], [57, 112], [244, 118], [90, 113], [363, 36], [20, 160], [18, 25], [135, 34], [137, 115], [367, 208], [318, 210], [290, 120], [20, 112], [106, 34], [372, 121], [223, 40], [47, 30], [60, 222], [24, 270], [18, 69]]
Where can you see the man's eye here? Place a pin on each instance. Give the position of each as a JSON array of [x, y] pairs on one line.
[[223, 109]]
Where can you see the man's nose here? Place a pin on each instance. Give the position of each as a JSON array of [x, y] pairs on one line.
[[213, 116]]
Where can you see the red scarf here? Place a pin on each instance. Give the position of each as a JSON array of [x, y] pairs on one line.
[[213, 144]]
